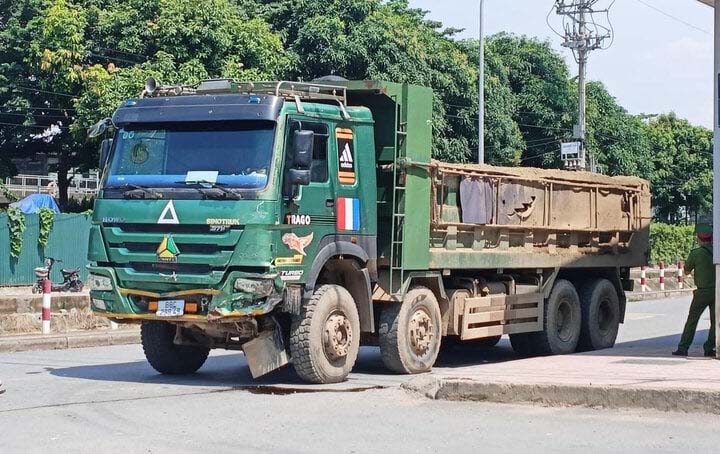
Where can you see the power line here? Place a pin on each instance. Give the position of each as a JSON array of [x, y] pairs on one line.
[[675, 18], [32, 126], [20, 87]]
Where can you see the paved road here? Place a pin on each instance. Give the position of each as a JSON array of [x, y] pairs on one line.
[[109, 400]]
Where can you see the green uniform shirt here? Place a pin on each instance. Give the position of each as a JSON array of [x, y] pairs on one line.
[[700, 261]]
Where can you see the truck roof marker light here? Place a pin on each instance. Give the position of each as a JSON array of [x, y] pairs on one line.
[[254, 100], [131, 103]]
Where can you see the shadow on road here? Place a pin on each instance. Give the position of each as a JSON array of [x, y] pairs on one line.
[[230, 370]]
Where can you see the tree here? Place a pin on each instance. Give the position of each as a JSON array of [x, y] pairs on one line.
[[682, 176]]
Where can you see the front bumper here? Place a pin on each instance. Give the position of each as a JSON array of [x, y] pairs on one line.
[[214, 304]]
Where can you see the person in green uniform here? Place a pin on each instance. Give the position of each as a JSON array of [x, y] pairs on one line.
[[700, 261]]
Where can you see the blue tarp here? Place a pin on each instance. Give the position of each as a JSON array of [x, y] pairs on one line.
[[32, 203]]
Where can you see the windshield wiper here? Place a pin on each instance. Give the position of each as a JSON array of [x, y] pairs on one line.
[[212, 189], [135, 191]]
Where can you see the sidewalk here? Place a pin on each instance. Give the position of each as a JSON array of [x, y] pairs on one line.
[[638, 373], [72, 339]]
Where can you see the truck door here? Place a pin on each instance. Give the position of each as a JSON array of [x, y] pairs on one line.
[[314, 207]]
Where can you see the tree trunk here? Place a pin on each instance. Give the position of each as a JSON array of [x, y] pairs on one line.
[[63, 184]]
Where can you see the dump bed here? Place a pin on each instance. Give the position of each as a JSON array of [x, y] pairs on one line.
[[487, 217]]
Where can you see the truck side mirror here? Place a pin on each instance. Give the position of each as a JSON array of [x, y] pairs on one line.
[[105, 147], [303, 142], [299, 177]]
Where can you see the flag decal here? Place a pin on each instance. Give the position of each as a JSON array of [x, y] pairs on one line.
[[348, 214]]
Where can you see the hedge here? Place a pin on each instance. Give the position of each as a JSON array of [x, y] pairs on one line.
[[670, 243]]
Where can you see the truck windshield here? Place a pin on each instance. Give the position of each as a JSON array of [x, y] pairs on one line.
[[234, 155]]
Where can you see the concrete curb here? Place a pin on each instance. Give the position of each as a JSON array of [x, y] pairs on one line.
[[102, 338], [682, 400], [644, 296]]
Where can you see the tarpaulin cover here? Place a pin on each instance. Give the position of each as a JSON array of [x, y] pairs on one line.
[[32, 203]]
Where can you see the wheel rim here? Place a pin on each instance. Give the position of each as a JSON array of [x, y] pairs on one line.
[[421, 332], [337, 336], [604, 316], [564, 321]]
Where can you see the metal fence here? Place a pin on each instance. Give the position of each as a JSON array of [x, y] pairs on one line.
[[68, 242], [80, 186]]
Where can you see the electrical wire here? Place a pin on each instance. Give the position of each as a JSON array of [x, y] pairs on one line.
[[675, 18]]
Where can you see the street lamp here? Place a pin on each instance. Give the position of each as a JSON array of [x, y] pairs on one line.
[[481, 91]]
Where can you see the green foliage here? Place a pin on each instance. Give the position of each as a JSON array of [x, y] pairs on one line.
[[16, 228], [46, 217], [670, 243], [5, 192], [81, 58]]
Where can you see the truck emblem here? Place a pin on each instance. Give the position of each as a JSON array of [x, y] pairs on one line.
[[168, 251], [168, 215], [296, 243]]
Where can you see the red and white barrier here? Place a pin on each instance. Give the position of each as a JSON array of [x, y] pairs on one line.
[[681, 275], [662, 276], [47, 288], [643, 279]]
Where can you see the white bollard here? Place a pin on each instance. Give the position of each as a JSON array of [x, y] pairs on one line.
[[47, 288], [662, 276], [643, 279], [681, 275]]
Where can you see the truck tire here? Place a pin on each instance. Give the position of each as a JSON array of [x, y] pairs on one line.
[[561, 325], [166, 357], [410, 332], [325, 337], [600, 307]]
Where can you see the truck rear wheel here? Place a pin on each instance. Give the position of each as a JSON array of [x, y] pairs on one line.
[[410, 332], [164, 355], [561, 325], [600, 315], [325, 337]]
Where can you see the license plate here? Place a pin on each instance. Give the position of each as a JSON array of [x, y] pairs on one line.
[[170, 308]]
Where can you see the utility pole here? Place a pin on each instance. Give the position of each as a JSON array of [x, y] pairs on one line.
[[582, 34], [481, 90]]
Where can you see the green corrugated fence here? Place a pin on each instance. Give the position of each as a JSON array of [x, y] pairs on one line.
[[68, 242]]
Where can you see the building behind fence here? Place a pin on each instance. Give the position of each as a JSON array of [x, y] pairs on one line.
[[68, 242]]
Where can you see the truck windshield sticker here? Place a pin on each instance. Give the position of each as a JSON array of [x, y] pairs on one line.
[[348, 214], [202, 176], [168, 215], [296, 243], [346, 156]]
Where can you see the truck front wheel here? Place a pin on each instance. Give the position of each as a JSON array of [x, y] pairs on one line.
[[410, 332], [325, 337], [164, 355]]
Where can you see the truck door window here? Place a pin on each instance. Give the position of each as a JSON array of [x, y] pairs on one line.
[[319, 166]]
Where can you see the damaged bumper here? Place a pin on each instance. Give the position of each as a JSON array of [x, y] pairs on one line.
[[235, 297]]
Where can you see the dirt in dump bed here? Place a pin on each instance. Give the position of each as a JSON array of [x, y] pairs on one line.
[[548, 174]]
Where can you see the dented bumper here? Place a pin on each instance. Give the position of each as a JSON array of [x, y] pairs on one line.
[[209, 304]]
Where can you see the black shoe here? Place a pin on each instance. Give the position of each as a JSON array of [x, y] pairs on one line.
[[711, 354], [679, 352]]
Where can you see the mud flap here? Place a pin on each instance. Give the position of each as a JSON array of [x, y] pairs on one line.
[[265, 353]]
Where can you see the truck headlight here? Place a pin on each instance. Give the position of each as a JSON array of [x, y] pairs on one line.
[[100, 283], [258, 287]]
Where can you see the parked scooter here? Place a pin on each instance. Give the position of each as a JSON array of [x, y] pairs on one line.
[[71, 278]]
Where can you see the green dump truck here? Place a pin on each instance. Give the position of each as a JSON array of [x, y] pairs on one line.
[[297, 221]]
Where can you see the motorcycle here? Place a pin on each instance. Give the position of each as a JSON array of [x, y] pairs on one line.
[[71, 278]]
